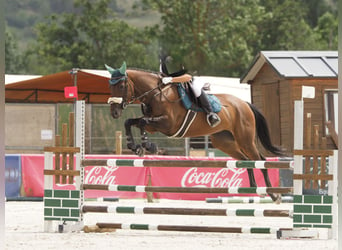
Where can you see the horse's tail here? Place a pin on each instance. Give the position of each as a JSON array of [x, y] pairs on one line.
[[263, 132]]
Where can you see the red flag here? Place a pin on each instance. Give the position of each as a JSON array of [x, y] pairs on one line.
[[70, 92]]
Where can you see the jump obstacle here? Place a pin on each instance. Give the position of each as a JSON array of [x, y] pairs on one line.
[[182, 228], [253, 199], [309, 211], [187, 211]]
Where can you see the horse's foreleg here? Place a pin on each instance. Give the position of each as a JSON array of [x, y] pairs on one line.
[[145, 143], [149, 146], [137, 149]]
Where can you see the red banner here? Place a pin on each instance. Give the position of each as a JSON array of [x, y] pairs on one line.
[[114, 176], [32, 167], [206, 177], [70, 92], [33, 177]]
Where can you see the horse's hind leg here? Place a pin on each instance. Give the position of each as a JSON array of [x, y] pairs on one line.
[[253, 154], [225, 142]]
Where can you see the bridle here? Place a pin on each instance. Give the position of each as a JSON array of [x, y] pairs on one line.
[[125, 101], [129, 84]]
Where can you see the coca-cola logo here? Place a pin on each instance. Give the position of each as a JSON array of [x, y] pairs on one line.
[[96, 175], [100, 175], [224, 178]]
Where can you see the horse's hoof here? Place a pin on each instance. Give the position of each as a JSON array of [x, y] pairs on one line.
[[151, 147], [276, 198], [139, 151], [131, 146]]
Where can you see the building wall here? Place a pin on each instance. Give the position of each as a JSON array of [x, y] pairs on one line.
[[286, 116], [29, 127], [289, 90], [264, 84]]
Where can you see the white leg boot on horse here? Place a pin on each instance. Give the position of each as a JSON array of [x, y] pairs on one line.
[[212, 118]]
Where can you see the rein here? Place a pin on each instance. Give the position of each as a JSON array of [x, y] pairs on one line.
[[170, 101], [129, 82], [133, 99]]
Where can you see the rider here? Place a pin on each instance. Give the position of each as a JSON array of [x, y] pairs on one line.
[[196, 85]]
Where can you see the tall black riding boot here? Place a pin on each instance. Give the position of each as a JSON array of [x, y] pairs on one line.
[[212, 118]]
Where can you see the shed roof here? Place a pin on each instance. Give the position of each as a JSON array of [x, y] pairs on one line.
[[293, 64]]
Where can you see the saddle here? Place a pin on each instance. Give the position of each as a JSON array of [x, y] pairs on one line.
[[191, 103]]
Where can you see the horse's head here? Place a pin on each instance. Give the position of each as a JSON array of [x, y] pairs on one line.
[[118, 89]]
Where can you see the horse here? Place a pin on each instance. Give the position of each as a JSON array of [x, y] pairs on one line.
[[241, 122]]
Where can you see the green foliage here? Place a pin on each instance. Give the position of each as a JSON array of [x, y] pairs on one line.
[[213, 37], [208, 37], [316, 8], [327, 31], [89, 40], [12, 58], [284, 27]]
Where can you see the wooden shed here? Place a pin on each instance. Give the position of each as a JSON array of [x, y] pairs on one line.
[[276, 79]]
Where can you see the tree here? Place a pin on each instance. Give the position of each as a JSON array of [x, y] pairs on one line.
[[12, 58], [284, 27], [327, 31], [89, 39], [316, 8], [208, 36], [221, 37]]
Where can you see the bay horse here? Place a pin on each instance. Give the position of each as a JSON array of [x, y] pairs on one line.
[[241, 123]]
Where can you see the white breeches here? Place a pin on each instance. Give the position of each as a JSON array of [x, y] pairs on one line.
[[197, 85]]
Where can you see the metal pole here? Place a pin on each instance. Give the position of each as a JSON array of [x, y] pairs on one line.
[[339, 175], [187, 146], [80, 142], [206, 145], [73, 73], [2, 127]]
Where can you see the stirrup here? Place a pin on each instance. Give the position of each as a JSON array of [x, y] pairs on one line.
[[213, 119]]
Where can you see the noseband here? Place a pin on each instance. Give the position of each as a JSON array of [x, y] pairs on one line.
[[122, 100]]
